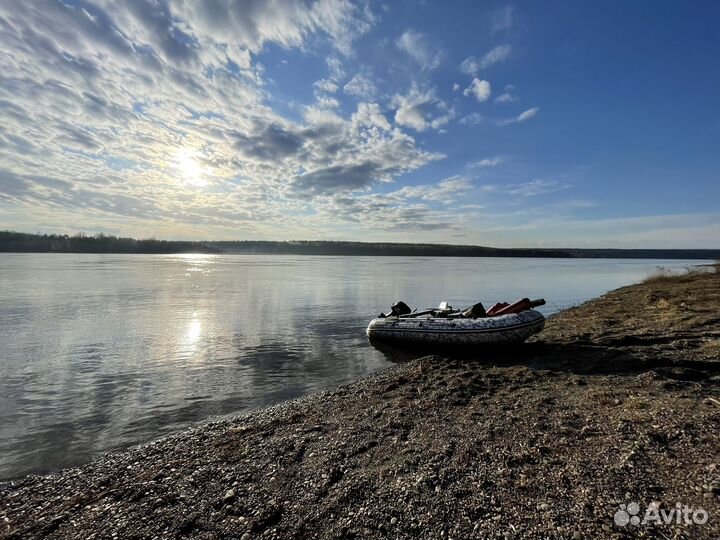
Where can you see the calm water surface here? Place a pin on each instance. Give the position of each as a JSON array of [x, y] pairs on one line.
[[99, 352]]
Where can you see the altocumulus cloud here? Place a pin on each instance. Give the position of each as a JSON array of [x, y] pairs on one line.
[[106, 106], [420, 109]]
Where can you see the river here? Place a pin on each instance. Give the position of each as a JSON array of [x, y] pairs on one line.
[[100, 352]]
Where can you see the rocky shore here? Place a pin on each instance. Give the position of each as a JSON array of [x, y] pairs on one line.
[[616, 402]]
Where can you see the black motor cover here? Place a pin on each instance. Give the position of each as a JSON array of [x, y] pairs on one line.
[[400, 308]]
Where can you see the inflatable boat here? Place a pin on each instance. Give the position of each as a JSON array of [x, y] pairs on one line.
[[501, 324]]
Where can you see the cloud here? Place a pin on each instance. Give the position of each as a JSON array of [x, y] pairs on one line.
[[335, 66], [472, 119], [537, 187], [495, 55], [269, 142], [472, 66], [501, 19], [480, 89], [446, 191], [110, 111], [522, 117], [330, 180], [368, 115], [362, 86], [417, 46], [486, 163], [327, 102], [251, 24], [420, 208], [527, 115], [505, 97], [326, 85], [153, 23], [99, 100], [387, 213], [342, 157], [420, 109], [62, 194]]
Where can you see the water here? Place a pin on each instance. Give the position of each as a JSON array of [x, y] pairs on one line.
[[99, 352]]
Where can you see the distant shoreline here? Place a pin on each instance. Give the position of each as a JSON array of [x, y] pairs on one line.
[[15, 242]]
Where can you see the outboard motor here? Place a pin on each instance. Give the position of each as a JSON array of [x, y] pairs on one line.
[[400, 308], [476, 311], [397, 309]]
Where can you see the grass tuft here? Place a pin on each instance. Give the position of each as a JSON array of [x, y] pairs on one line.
[[666, 275]]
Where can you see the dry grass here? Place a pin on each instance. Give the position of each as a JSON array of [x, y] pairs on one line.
[[665, 275]]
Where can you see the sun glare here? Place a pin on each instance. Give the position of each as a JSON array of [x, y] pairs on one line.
[[188, 164]]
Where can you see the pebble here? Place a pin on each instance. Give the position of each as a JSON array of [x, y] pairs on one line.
[[577, 535], [229, 496], [394, 521], [544, 507], [245, 536]]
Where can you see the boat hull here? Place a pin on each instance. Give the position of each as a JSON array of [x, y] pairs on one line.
[[505, 329]]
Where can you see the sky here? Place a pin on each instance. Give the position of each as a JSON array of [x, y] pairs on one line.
[[563, 123]]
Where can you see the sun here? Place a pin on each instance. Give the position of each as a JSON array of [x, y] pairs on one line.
[[188, 164]]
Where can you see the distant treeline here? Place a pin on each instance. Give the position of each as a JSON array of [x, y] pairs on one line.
[[21, 242], [99, 243], [324, 247]]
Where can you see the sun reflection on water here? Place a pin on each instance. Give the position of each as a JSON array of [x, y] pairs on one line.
[[190, 339], [194, 329]]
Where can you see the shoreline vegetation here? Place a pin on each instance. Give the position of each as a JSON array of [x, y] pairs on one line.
[[16, 242], [616, 402]]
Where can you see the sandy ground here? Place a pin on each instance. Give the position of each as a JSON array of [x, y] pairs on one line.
[[616, 402]]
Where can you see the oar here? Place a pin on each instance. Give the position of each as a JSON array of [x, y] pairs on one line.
[[520, 305]]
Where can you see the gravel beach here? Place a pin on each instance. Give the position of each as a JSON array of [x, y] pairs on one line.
[[616, 402]]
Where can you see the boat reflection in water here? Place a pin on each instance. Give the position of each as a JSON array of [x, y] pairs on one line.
[[402, 352]]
